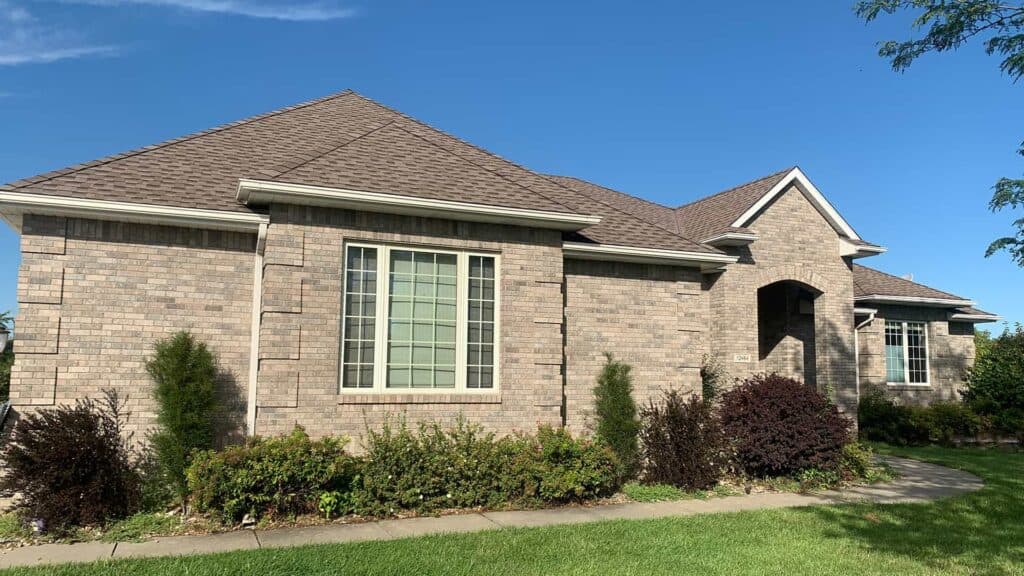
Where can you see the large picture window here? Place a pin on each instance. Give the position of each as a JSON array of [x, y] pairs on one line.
[[906, 352], [418, 320]]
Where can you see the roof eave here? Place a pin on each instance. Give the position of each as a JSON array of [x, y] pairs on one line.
[[262, 192], [705, 261], [914, 301], [847, 248], [796, 176], [975, 318], [15, 204], [730, 239]]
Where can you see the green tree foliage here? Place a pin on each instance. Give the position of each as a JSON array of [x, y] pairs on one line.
[[946, 25], [185, 375], [617, 422], [6, 358], [995, 386], [982, 343]]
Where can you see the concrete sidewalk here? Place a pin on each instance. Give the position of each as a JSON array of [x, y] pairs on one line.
[[918, 482]]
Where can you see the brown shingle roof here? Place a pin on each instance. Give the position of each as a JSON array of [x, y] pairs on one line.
[[871, 282], [714, 214], [343, 140], [645, 209]]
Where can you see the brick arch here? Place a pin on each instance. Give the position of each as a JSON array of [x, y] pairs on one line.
[[791, 272]]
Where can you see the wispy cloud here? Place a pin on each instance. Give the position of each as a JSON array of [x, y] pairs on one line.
[[274, 10], [24, 39]]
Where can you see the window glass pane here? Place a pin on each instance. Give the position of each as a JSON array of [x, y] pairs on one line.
[[480, 329], [894, 360], [359, 317], [421, 351], [917, 357]]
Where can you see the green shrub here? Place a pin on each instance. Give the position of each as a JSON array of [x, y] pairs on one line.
[[570, 469], [858, 464], [72, 465], [780, 426], [617, 423], [995, 386], [683, 443], [880, 419], [6, 362], [948, 421], [185, 373], [269, 477], [433, 468]]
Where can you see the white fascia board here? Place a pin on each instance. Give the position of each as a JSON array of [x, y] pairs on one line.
[[731, 239], [260, 192], [976, 318], [615, 253], [797, 176], [847, 248], [913, 300], [20, 203]]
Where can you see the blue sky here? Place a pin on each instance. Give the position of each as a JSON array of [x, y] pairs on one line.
[[666, 100]]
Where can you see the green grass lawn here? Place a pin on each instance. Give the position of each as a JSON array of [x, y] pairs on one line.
[[980, 533]]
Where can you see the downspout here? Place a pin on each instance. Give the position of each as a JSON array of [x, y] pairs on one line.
[[254, 330], [856, 348]]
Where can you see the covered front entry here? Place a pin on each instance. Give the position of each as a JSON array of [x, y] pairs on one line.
[[786, 330]]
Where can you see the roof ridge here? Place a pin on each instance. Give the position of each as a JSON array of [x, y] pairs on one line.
[[738, 186], [520, 166], [32, 180], [333, 149], [484, 168], [465, 142]]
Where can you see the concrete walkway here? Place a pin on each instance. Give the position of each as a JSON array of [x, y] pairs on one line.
[[918, 482]]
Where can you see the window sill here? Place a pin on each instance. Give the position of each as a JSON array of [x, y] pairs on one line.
[[905, 386], [429, 398]]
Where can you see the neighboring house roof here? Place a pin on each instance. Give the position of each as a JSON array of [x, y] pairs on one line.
[[343, 141], [868, 283]]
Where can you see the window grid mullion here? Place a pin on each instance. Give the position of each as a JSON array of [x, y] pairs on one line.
[[382, 324], [906, 354], [461, 319]]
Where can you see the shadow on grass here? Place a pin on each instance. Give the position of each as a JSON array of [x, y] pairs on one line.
[[984, 528]]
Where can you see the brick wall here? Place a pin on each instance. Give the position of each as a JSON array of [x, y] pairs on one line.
[[651, 317], [95, 296], [794, 243], [950, 354], [298, 379]]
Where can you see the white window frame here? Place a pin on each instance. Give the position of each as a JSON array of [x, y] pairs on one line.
[[382, 325], [906, 354]]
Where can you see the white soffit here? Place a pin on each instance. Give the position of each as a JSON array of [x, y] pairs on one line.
[[614, 253]]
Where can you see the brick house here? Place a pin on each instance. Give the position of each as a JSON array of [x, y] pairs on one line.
[[346, 262]]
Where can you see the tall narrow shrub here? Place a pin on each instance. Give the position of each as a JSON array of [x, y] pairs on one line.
[[995, 386], [185, 373], [617, 422]]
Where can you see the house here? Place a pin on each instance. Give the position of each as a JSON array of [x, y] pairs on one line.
[[346, 262]]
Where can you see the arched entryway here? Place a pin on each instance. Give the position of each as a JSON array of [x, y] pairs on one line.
[[786, 332]]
